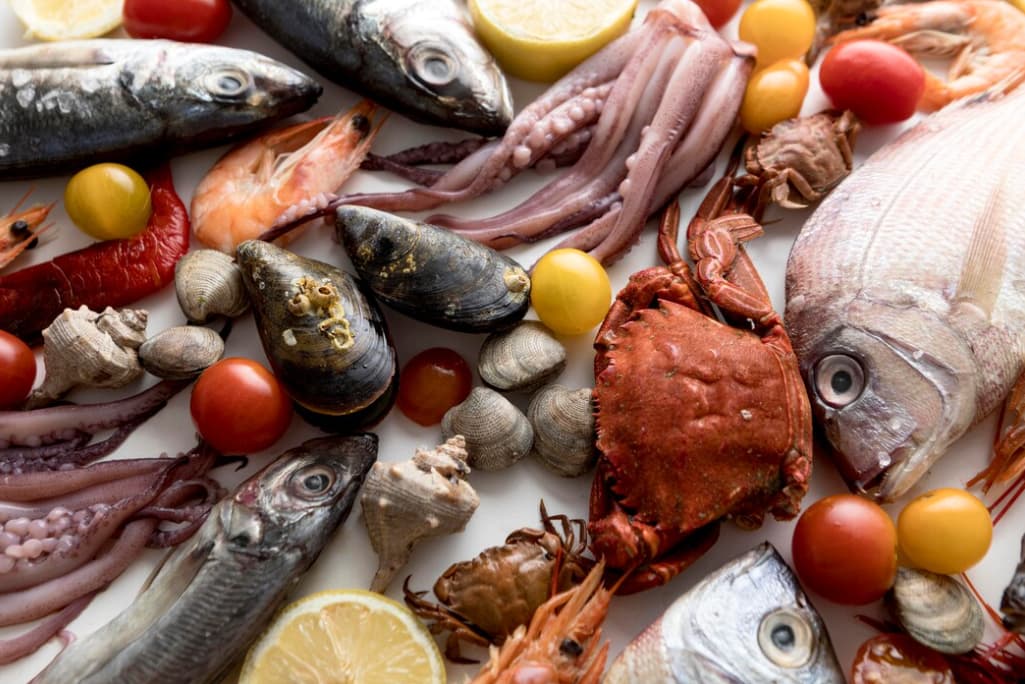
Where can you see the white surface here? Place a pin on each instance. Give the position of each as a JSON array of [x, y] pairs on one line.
[[508, 499]]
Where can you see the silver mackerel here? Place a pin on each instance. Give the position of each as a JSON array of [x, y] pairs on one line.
[[66, 105], [906, 292], [215, 593], [417, 57]]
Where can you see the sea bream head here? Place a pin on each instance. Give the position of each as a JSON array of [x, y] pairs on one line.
[[748, 621], [297, 501]]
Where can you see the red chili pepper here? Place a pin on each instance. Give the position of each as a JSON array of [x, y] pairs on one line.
[[110, 273]]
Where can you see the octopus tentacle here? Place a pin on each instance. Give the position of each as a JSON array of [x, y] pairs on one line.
[[64, 455], [26, 487], [48, 451], [27, 643]]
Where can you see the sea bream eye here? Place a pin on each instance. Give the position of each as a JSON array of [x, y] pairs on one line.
[[786, 638], [839, 380], [313, 481]]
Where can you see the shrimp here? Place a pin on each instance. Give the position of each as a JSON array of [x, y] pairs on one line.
[[19, 230], [252, 185], [986, 38]]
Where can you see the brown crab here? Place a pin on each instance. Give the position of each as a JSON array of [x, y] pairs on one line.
[[697, 419], [485, 599], [799, 160]]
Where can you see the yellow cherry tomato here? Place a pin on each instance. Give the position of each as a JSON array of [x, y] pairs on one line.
[[946, 531], [780, 29], [570, 291], [108, 201], [774, 94]]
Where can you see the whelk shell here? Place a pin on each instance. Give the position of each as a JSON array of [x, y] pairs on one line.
[[208, 283], [497, 433], [404, 503], [181, 352], [936, 610], [521, 359], [563, 422]]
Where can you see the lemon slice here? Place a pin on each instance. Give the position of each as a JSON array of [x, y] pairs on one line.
[[68, 19], [345, 637], [540, 40]]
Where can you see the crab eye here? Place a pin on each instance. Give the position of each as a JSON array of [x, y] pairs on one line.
[[228, 82], [786, 638], [432, 66], [839, 380], [312, 482]]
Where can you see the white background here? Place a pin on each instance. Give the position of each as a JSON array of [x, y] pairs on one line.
[[509, 499]]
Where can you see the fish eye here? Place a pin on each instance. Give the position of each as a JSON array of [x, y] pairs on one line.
[[313, 481], [786, 638], [432, 66], [839, 379], [228, 82]]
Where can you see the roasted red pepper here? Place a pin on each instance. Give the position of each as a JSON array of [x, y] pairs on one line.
[[110, 273]]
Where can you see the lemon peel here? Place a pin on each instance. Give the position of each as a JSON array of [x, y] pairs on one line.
[[64, 20]]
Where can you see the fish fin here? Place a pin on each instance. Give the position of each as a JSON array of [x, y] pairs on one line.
[[983, 271]]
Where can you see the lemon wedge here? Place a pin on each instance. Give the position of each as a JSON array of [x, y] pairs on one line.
[[68, 19], [345, 636], [540, 40]]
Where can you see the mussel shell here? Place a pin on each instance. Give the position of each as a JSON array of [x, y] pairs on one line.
[[181, 352], [936, 610], [338, 363], [522, 358], [432, 274]]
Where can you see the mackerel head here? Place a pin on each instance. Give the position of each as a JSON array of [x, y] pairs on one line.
[[215, 593]]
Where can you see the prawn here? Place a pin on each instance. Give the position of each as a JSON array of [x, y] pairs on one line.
[[19, 230], [985, 38], [251, 186]]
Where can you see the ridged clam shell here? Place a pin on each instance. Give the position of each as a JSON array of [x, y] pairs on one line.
[[563, 422], [521, 359], [208, 283], [497, 433], [183, 351], [325, 339], [432, 274], [936, 610]]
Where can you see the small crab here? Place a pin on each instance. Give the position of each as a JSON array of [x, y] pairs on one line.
[[484, 600], [799, 160]]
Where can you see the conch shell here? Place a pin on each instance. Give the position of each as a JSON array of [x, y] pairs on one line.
[[403, 503], [85, 348]]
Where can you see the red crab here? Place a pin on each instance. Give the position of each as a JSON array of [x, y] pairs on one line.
[[698, 419]]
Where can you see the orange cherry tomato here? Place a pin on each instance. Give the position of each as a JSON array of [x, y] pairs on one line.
[[431, 383], [945, 531]]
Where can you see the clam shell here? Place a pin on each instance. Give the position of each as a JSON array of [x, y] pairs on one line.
[[936, 610], [325, 339], [208, 283], [497, 433], [181, 352], [521, 359], [432, 274], [563, 422]]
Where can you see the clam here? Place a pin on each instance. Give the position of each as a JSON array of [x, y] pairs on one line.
[[936, 610], [404, 503], [521, 359], [497, 433], [432, 274], [326, 341], [181, 352], [563, 422], [208, 283]]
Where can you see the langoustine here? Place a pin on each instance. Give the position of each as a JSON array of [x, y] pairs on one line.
[[20, 230]]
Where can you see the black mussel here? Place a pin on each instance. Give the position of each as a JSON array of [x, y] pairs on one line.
[[432, 274], [325, 338]]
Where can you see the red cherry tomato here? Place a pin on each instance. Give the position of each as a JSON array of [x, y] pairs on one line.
[[431, 383], [193, 21], [879, 82], [718, 11], [239, 407], [17, 370], [845, 548]]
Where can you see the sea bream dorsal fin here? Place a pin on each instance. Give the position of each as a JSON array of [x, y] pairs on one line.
[[982, 273]]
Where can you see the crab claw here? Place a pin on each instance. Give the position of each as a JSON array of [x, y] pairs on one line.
[[19, 230]]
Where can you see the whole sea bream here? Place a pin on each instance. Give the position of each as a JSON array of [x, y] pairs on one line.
[[65, 105], [417, 57], [214, 594], [905, 292]]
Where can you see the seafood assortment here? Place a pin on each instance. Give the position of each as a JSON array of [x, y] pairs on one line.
[[906, 340], [747, 621], [419, 57], [231, 577], [65, 105]]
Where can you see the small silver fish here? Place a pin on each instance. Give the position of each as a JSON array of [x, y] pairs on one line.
[[1012, 605], [906, 292], [65, 105], [749, 621], [215, 593], [417, 57]]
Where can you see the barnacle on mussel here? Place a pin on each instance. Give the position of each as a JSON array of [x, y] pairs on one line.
[[432, 274], [325, 339]]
